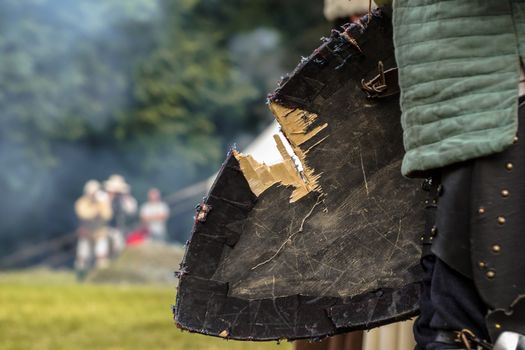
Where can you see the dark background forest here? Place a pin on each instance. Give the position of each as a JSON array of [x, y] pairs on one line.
[[155, 90]]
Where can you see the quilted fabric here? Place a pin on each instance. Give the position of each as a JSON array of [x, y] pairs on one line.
[[458, 72]]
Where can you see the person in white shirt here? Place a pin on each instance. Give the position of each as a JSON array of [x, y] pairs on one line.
[[154, 214]]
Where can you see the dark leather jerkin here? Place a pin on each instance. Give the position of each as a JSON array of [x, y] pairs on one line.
[[479, 230], [346, 255]]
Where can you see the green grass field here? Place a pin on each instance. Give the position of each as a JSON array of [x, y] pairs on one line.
[[43, 310]]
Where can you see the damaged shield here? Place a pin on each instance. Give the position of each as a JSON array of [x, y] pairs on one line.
[[288, 252]]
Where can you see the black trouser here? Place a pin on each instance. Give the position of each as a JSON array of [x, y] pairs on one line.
[[449, 302]]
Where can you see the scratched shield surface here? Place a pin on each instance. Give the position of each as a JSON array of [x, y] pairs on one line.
[[282, 253]]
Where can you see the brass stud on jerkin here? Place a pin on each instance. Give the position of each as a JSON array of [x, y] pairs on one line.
[[509, 166], [505, 193], [481, 210], [482, 264], [516, 139], [501, 220], [496, 248], [497, 325], [490, 274]]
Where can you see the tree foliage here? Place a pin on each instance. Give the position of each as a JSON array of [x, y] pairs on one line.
[[154, 90]]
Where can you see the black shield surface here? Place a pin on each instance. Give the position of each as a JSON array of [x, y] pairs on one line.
[[343, 254]]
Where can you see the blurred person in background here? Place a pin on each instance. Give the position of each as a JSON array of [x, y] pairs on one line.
[[124, 207], [340, 12], [94, 211], [154, 214]]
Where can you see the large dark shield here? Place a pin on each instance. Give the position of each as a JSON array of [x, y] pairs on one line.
[[278, 253]]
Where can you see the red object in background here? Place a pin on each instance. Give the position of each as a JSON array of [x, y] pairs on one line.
[[137, 237]]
